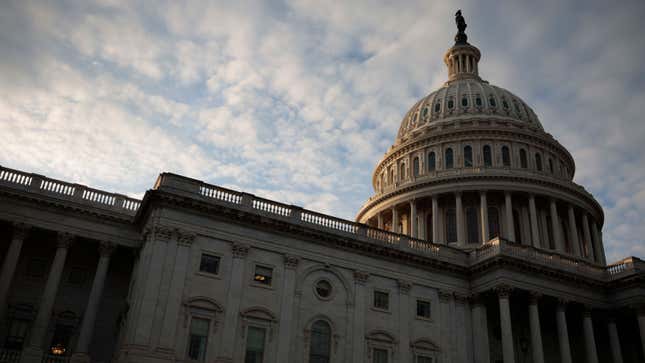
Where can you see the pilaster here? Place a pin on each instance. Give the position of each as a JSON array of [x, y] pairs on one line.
[[287, 307]]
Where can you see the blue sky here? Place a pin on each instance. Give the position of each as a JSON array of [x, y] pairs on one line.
[[297, 100]]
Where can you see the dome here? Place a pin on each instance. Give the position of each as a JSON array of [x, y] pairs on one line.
[[466, 98]]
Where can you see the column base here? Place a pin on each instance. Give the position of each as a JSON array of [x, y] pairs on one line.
[[31, 355], [80, 358], [223, 360]]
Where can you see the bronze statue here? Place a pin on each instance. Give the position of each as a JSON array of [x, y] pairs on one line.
[[461, 37]]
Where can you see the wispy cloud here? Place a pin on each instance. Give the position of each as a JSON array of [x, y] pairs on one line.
[[297, 100]]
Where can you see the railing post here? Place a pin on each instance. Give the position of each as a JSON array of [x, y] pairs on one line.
[[36, 180], [361, 230], [78, 191], [296, 214], [119, 201], [247, 200]]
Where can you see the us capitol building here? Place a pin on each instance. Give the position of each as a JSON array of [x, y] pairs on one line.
[[476, 246]]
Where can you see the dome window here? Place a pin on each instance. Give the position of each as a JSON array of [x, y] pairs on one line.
[[505, 104], [478, 101], [451, 225], [415, 167], [492, 102], [464, 102], [468, 156], [437, 106], [449, 160], [538, 162], [432, 161], [523, 160], [506, 156], [425, 111], [488, 157], [451, 104], [414, 118], [517, 108], [551, 165], [402, 172]]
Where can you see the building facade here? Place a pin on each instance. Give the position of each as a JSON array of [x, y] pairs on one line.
[[477, 246]]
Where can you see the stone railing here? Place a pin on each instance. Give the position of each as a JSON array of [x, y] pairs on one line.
[[38, 184], [9, 355], [210, 193], [627, 266]]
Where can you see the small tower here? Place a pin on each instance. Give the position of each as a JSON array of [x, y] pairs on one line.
[[462, 59]]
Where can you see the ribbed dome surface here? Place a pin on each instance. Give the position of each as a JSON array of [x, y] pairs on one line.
[[465, 99]]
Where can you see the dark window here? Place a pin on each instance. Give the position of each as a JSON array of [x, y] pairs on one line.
[[323, 288], [488, 157], [255, 338], [391, 176], [60, 341], [209, 263], [380, 356], [523, 160], [551, 165], [538, 162], [429, 227], [423, 309], [478, 101], [16, 333], [320, 345], [449, 160], [505, 104], [468, 156], [451, 226], [437, 107], [473, 225], [198, 338], [506, 156], [517, 225], [402, 172], [414, 118], [492, 102], [464, 101], [493, 222], [549, 232], [425, 111], [415, 167], [263, 275], [381, 300], [431, 161], [451, 104]]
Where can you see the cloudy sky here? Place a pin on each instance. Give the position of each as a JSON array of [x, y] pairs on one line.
[[297, 100]]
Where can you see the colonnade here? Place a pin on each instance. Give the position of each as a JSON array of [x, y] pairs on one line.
[[33, 351], [541, 221]]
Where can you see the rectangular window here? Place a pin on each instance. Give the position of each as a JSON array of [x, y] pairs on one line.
[[209, 263], [381, 300], [198, 338], [423, 309], [263, 275], [255, 338], [379, 356], [422, 359]]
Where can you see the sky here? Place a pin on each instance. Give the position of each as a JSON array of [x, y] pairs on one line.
[[297, 100]]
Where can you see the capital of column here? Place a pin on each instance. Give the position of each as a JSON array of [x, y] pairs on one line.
[[64, 240], [240, 250], [444, 295], [185, 238], [477, 299], [534, 297], [106, 248], [460, 298], [562, 304], [158, 233], [291, 262], [503, 291], [20, 231], [361, 277], [404, 287], [587, 311]]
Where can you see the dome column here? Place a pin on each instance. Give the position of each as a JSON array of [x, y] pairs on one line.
[[379, 220], [414, 228], [555, 227], [597, 240], [483, 211], [587, 236], [435, 219], [459, 212], [395, 220], [573, 232], [535, 235], [510, 226]]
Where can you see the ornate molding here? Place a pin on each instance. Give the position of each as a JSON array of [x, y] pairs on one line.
[[240, 250], [460, 298], [291, 262], [361, 277], [106, 249], [185, 238], [20, 231], [64, 240], [404, 287], [503, 291], [562, 304], [534, 297], [444, 296]]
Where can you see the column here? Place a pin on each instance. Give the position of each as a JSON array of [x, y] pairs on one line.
[[232, 312], [573, 232], [536, 331], [525, 227], [614, 341], [480, 331], [461, 330], [9, 266], [395, 220], [483, 211], [379, 218], [503, 293], [423, 231], [535, 235], [360, 279], [404, 320], [510, 226], [39, 329], [641, 326], [287, 307], [89, 316], [555, 227], [590, 341], [587, 236], [597, 241], [563, 333], [414, 228], [459, 212], [435, 219]]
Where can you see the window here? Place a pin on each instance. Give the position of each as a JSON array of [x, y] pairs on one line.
[[431, 161], [505, 104], [320, 344], [437, 106], [468, 156], [478, 101], [402, 172], [379, 355], [506, 156], [491, 101], [451, 104], [263, 275], [415, 166], [423, 359], [381, 300], [425, 111], [551, 165], [523, 161], [390, 176], [517, 226], [198, 339], [60, 342], [488, 156], [414, 118], [323, 289], [16, 333], [423, 309], [255, 338], [538, 162], [472, 224], [209, 263], [449, 160], [464, 101], [451, 225], [493, 222]]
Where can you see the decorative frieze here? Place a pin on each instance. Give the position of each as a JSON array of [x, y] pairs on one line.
[[360, 277], [185, 238], [240, 250], [503, 291], [404, 287], [444, 296], [291, 262]]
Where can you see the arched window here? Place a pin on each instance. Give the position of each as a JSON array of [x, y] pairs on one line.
[[493, 222], [491, 101], [451, 225], [464, 101], [506, 156], [551, 165], [538, 162], [402, 172], [320, 343], [390, 176], [425, 111], [449, 160], [473, 226], [437, 107], [523, 161], [415, 167], [478, 101], [432, 162], [451, 103], [468, 156], [488, 156]]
